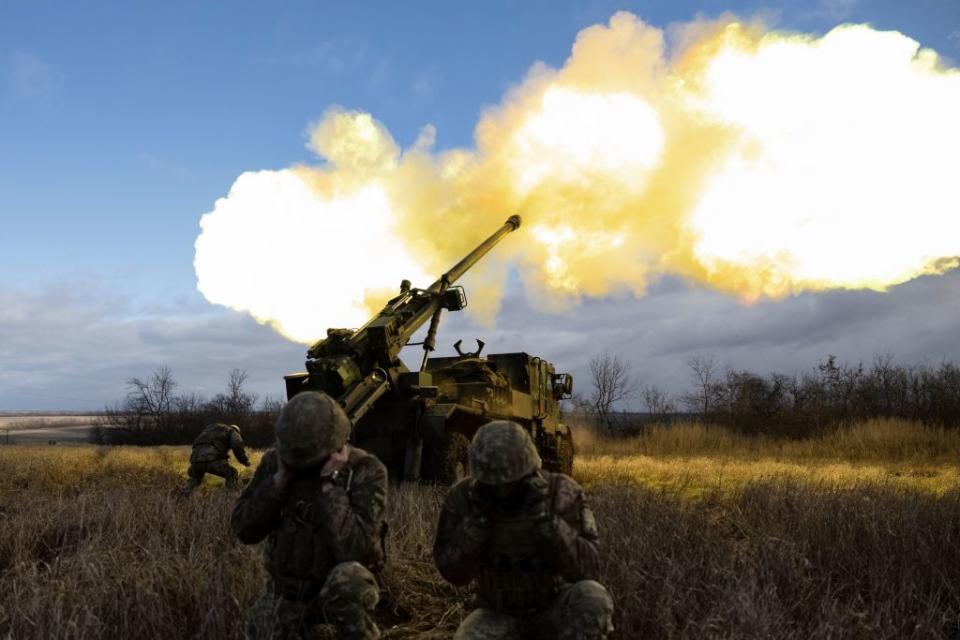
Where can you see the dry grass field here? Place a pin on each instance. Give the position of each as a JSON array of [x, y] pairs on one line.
[[33, 428], [694, 459], [705, 535]]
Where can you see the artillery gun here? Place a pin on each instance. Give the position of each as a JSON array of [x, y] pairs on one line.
[[419, 423]]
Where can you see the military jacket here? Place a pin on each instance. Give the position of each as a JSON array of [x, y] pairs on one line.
[[314, 523], [516, 564], [215, 443]]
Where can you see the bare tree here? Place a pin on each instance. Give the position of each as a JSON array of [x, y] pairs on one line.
[[151, 400], [236, 403], [612, 383], [657, 401], [238, 399], [703, 370], [154, 411]]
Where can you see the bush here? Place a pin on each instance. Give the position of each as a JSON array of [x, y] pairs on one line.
[[808, 404], [154, 414], [788, 406]]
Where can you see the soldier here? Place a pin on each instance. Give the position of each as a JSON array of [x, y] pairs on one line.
[[528, 540], [320, 504], [210, 453]]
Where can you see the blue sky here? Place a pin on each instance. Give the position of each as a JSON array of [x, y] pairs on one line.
[[121, 123]]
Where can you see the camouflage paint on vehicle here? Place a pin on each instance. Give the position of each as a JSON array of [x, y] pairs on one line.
[[419, 423]]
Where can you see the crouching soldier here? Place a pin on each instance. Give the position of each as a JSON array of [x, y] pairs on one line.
[[211, 452], [320, 504], [528, 540]]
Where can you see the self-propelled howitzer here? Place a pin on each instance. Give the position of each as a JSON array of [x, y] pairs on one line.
[[394, 410]]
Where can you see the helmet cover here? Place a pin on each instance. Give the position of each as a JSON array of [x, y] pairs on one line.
[[311, 426], [502, 452]]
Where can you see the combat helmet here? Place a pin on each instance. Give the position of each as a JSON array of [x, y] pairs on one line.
[[310, 428], [502, 452]]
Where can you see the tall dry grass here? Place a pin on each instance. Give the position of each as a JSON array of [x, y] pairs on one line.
[[694, 459], [93, 545], [887, 440], [783, 560]]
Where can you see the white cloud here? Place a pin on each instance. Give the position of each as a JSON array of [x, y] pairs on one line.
[[161, 166], [32, 77], [73, 348], [955, 38], [834, 10], [335, 56], [425, 84]]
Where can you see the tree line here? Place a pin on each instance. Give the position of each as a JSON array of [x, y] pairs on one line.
[[775, 404], [155, 412]]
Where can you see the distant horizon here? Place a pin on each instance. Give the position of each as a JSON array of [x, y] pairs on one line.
[[582, 386]]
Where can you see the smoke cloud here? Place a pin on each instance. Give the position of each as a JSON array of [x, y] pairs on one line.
[[759, 163]]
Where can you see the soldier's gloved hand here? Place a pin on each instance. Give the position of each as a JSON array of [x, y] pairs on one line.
[[336, 481], [482, 499], [536, 498], [336, 461]]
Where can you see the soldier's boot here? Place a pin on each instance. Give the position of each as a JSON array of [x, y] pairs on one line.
[[231, 478], [187, 489], [584, 611], [349, 595], [195, 478]]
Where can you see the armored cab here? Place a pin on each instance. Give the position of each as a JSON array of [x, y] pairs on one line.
[[473, 390], [423, 430], [419, 423]]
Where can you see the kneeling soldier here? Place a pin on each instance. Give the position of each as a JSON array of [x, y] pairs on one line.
[[528, 540], [211, 452], [320, 504]]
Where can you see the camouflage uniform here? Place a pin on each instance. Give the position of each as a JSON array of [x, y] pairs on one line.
[[532, 561], [210, 452], [323, 540]]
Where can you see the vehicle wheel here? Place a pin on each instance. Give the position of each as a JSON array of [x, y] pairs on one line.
[[565, 452], [446, 459]]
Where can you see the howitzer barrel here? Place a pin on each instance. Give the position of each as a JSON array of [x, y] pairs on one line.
[[359, 367], [447, 279], [451, 276]]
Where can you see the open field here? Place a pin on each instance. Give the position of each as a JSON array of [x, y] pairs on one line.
[[35, 428], [693, 459], [703, 536], [35, 420]]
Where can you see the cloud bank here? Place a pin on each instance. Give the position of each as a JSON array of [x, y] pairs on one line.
[[753, 162], [74, 348]]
